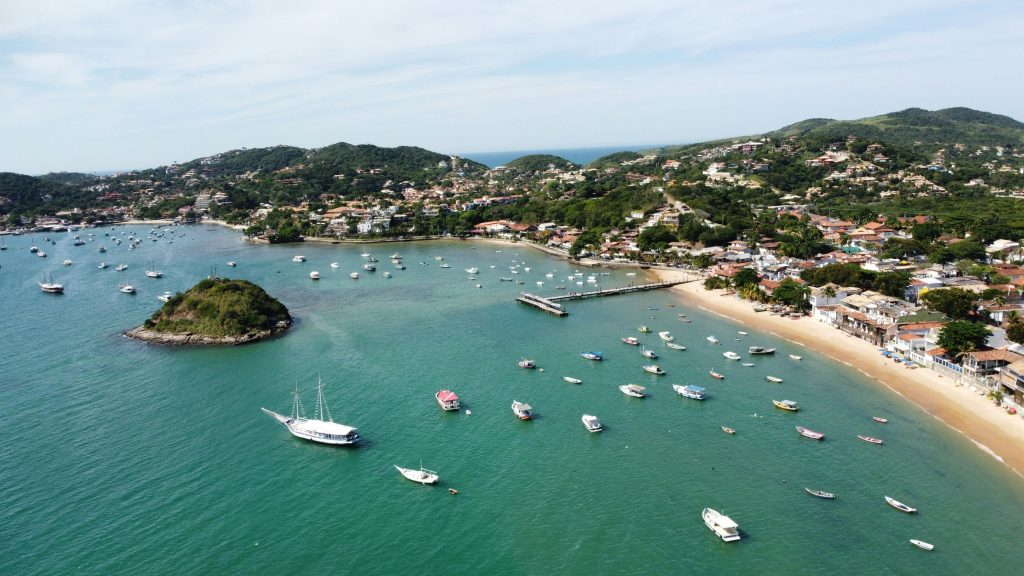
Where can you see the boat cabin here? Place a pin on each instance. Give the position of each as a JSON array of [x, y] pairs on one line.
[[448, 400]]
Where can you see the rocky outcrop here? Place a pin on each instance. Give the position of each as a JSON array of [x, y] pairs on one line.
[[192, 339]]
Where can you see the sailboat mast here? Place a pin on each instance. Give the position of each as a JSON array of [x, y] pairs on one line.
[[320, 396]]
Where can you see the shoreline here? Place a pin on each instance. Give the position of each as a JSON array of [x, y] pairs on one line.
[[961, 409]]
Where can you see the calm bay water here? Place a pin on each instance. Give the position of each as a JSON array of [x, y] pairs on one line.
[[124, 458], [580, 156]]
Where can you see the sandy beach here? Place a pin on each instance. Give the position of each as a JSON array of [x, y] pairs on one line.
[[988, 426]]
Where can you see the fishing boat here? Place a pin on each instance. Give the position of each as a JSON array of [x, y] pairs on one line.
[[447, 400], [821, 494], [786, 405], [49, 286], [690, 391], [727, 430], [597, 356], [666, 336], [420, 476], [716, 375], [298, 258], [721, 525], [126, 288], [631, 341], [731, 355], [644, 328], [320, 429], [522, 410], [591, 423], [653, 369], [773, 379], [165, 297], [634, 390], [795, 357], [354, 275], [869, 439], [314, 275], [922, 544], [808, 433], [675, 346], [879, 419], [572, 380], [527, 363], [899, 505], [646, 353], [755, 350]]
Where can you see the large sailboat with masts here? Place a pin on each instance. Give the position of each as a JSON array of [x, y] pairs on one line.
[[324, 431]]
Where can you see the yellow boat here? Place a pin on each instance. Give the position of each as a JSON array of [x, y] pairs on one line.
[[786, 405]]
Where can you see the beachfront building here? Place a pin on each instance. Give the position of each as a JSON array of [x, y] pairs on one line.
[[987, 363], [1011, 382]]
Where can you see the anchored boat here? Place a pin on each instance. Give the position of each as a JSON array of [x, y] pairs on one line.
[[324, 431]]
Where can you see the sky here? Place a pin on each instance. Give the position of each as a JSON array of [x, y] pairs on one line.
[[120, 84]]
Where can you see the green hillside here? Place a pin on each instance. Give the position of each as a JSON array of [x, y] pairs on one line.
[[219, 307], [538, 163]]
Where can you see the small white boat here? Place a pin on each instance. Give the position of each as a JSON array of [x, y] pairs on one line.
[[387, 274], [690, 391], [922, 544], [666, 336], [742, 333], [654, 369], [522, 410], [526, 363], [314, 275], [68, 262], [808, 433], [795, 357], [648, 353], [298, 258], [472, 270], [51, 287], [675, 346], [773, 379], [747, 364], [727, 430], [879, 419], [786, 405], [232, 263], [591, 423], [41, 254], [445, 265], [721, 525], [126, 288], [821, 494], [335, 265], [712, 339], [121, 267], [731, 355], [165, 297], [369, 267], [870, 439], [634, 390], [899, 505], [354, 275], [154, 273], [631, 341], [755, 350], [420, 476], [572, 380], [103, 265]]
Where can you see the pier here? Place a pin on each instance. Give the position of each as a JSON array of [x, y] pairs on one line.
[[551, 304]]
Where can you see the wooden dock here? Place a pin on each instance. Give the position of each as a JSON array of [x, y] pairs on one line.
[[551, 304]]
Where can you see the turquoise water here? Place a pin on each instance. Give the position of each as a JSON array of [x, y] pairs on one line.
[[124, 458], [580, 156]]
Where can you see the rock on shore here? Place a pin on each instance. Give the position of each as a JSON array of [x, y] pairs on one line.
[[192, 339]]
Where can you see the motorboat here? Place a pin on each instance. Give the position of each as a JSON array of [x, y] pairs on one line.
[[922, 544], [773, 379], [526, 363], [323, 431], [631, 341], [126, 288], [445, 265], [372, 259], [731, 355], [644, 328], [51, 287], [821, 494], [712, 339], [298, 258], [721, 525], [33, 249], [899, 505], [522, 410], [746, 364], [666, 336], [121, 267], [354, 275], [596, 356], [742, 333], [786, 405], [647, 353], [504, 279], [808, 433], [387, 274], [653, 369], [634, 390], [335, 265], [165, 297], [795, 357], [419, 476], [447, 399], [369, 267], [41, 254], [869, 439], [314, 275], [716, 375], [690, 391], [727, 430], [760, 350], [103, 265], [675, 346], [572, 380], [472, 270], [232, 263], [591, 423], [879, 419], [68, 262]]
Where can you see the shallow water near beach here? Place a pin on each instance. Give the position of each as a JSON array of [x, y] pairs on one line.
[[125, 458]]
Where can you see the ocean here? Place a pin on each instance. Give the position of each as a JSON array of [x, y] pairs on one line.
[[579, 156], [121, 457]]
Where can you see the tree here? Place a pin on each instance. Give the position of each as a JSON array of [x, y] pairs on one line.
[[891, 283], [1015, 328], [792, 293], [586, 239], [745, 277], [960, 337], [926, 232], [655, 238], [953, 302]]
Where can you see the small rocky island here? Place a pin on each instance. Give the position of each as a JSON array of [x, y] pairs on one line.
[[215, 312]]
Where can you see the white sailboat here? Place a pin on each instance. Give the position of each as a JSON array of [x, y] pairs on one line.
[[420, 476], [49, 286], [315, 429], [152, 272]]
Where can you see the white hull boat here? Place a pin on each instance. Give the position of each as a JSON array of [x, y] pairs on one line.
[[591, 423], [420, 476], [572, 380], [922, 544], [320, 430], [690, 391], [721, 525], [633, 390]]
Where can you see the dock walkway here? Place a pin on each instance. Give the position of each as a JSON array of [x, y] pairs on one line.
[[551, 304]]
